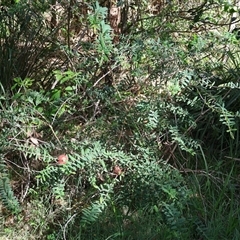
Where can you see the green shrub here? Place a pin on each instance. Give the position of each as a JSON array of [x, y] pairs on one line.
[[149, 124]]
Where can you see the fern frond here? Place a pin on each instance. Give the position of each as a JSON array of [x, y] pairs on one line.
[[91, 213], [228, 119], [6, 193], [185, 143]]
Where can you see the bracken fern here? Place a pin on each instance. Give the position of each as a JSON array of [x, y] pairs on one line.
[[6, 193]]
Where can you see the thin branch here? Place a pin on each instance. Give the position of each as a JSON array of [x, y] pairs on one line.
[[65, 226]]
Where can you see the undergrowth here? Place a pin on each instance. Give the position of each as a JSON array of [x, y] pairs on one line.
[[126, 136]]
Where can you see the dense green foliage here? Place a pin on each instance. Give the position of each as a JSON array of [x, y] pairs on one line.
[[119, 128]]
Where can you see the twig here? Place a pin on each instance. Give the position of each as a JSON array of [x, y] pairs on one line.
[[96, 83], [28, 184], [65, 226], [235, 159]]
